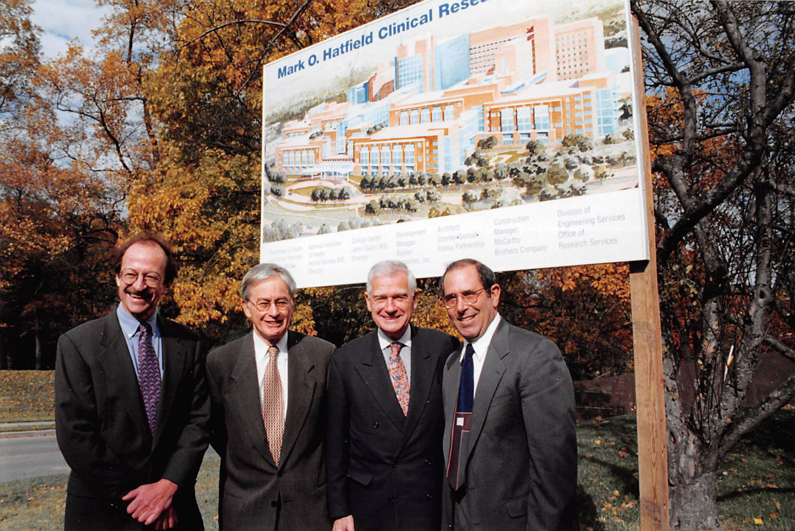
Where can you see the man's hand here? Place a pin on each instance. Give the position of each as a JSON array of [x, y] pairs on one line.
[[344, 524], [149, 501], [167, 520]]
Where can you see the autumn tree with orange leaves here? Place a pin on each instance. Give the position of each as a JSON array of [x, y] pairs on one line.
[[58, 217], [585, 310], [159, 130], [721, 76]]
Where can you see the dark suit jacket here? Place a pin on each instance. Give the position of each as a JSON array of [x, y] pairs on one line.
[[252, 488], [520, 458], [101, 423], [383, 468]]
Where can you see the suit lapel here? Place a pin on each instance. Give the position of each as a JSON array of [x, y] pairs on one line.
[[490, 377], [423, 371], [246, 392], [300, 393], [120, 371], [174, 366], [375, 374], [451, 382]]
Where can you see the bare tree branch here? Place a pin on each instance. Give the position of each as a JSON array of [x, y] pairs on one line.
[[234, 23]]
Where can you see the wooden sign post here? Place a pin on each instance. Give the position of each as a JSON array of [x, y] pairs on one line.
[[647, 337]]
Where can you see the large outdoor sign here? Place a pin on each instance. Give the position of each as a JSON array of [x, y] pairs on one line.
[[500, 130]]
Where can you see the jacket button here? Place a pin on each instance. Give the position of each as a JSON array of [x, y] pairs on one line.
[[428, 462], [429, 496], [391, 499], [375, 425]]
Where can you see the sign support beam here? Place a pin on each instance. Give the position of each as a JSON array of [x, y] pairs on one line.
[[647, 338]]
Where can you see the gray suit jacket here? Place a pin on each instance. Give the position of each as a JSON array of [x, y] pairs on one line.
[[520, 458], [252, 489], [101, 424]]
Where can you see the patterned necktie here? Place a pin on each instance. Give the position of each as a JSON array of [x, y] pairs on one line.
[[400, 380], [148, 374], [463, 417], [273, 405]]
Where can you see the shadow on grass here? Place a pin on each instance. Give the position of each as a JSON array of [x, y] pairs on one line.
[[624, 474], [587, 515], [753, 492]]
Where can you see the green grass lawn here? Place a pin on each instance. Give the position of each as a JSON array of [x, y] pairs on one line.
[[756, 489]]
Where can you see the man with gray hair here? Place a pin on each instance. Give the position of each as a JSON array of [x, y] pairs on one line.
[[384, 437], [268, 413]]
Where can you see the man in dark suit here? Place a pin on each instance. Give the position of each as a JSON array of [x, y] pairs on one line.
[[510, 442], [268, 414], [384, 437], [131, 405]]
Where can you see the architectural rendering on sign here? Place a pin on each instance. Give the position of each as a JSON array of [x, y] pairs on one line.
[[422, 115]]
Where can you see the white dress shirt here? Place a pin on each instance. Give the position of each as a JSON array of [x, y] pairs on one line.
[[481, 348], [262, 357]]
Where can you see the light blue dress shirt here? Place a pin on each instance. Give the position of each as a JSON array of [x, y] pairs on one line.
[[129, 327]]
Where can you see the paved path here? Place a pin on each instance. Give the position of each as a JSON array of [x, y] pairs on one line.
[[27, 454], [30, 456]]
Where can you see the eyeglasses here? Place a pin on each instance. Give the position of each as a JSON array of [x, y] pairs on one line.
[[130, 277], [263, 305], [468, 297]]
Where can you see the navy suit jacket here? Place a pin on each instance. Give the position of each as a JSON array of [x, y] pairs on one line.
[[384, 468]]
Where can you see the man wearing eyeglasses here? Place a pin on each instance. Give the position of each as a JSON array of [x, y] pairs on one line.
[[268, 414], [131, 405], [384, 437], [510, 441]]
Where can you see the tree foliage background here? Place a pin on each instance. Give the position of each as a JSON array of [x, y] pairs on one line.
[[160, 130]]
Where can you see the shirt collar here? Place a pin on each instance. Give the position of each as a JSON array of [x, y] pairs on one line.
[[405, 339], [481, 344], [261, 346], [129, 324]]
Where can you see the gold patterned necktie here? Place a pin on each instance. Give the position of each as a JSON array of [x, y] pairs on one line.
[[273, 405]]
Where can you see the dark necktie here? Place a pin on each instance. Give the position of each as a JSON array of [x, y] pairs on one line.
[[273, 405], [463, 417], [400, 380], [148, 374]]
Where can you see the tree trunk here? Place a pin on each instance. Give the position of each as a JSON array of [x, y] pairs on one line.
[[694, 505], [693, 493], [37, 339], [3, 351]]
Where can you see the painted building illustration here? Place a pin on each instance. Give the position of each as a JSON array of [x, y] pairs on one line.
[[426, 109]]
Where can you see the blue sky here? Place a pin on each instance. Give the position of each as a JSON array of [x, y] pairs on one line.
[[62, 21]]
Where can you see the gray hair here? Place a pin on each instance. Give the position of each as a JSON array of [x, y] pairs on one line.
[[261, 272], [387, 268]]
